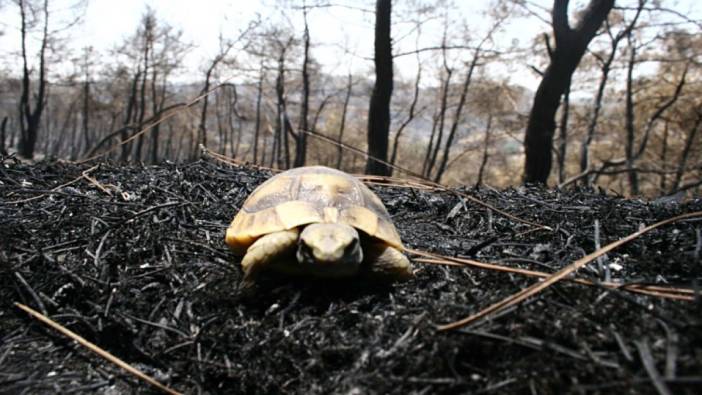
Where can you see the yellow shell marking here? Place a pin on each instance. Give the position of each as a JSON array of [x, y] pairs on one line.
[[331, 215], [310, 196]]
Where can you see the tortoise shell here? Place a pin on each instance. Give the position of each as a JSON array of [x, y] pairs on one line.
[[305, 195]]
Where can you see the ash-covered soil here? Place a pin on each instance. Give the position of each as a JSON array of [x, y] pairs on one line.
[[132, 258]]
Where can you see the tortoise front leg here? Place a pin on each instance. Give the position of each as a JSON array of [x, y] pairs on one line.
[[267, 250], [384, 262]]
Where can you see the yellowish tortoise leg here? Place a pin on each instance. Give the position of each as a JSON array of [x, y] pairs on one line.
[[266, 250], [384, 262]]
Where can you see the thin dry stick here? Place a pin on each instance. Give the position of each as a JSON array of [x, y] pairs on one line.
[[168, 115], [96, 183], [83, 175], [423, 182], [536, 288], [97, 350], [232, 161], [431, 183], [665, 292], [362, 153], [394, 181]]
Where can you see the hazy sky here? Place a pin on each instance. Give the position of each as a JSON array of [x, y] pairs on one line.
[[330, 27], [108, 22]]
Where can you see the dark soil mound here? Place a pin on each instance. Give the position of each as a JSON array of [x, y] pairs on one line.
[[133, 259]]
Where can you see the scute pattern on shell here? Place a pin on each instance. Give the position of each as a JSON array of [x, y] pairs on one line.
[[305, 195]]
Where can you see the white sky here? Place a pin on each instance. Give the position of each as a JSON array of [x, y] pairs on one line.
[[108, 22]]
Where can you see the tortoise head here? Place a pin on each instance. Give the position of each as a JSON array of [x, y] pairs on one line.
[[331, 249]]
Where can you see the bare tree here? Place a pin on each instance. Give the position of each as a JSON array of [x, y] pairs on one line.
[[632, 153], [561, 153], [147, 60], [281, 145], [571, 43], [129, 114], [3, 129], [605, 66], [301, 140], [410, 114], [148, 33], [379, 111], [224, 49], [477, 54], [486, 147], [342, 124], [257, 126], [437, 132], [629, 118], [690, 140], [412, 111], [86, 66], [456, 117], [30, 114]]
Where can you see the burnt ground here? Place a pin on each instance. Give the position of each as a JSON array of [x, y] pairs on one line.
[[143, 272]]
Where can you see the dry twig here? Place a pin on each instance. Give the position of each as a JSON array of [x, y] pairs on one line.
[[84, 174], [97, 350], [561, 274], [651, 290]]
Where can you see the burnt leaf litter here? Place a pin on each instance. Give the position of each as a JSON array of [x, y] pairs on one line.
[[132, 258]]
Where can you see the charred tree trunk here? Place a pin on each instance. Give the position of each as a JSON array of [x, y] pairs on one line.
[[85, 116], [142, 99], [202, 126], [486, 146], [30, 119], [235, 151], [664, 156], [3, 128], [318, 113], [410, 116], [168, 148], [379, 111], [46, 121], [63, 132], [158, 101], [222, 132], [264, 149], [457, 117], [301, 140], [427, 156], [257, 126], [684, 156], [630, 121], [563, 135], [131, 104], [606, 67], [201, 138], [13, 134], [342, 125], [233, 113], [434, 149], [571, 44], [281, 137], [287, 131]]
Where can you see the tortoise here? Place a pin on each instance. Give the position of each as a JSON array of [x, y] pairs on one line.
[[317, 222]]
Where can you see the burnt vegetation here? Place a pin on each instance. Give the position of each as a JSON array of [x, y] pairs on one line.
[[133, 259], [122, 166]]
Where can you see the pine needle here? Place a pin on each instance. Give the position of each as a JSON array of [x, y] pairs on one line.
[[561, 274], [97, 350]]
